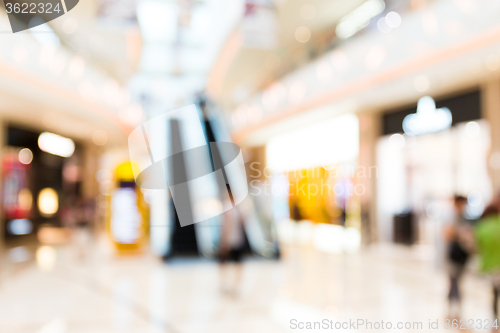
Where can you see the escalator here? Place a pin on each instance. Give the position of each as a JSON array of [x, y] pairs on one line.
[[202, 238]]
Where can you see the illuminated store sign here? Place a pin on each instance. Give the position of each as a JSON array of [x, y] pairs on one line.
[[330, 142], [428, 119], [56, 145]]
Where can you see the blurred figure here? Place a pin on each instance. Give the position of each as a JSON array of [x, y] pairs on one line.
[[488, 246], [68, 212], [459, 237], [296, 216], [231, 247], [77, 215], [84, 226]]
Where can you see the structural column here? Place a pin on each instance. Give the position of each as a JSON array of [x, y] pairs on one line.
[[490, 100], [90, 167], [90, 188], [369, 132]]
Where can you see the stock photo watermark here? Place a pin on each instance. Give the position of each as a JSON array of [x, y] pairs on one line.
[[25, 15], [321, 181], [385, 325]]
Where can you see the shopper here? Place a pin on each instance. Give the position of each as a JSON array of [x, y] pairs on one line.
[[459, 237], [77, 215], [488, 246], [231, 248]]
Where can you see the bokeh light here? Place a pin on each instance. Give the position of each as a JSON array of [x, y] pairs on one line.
[[48, 202], [393, 19], [25, 156], [46, 258], [302, 34], [100, 137]]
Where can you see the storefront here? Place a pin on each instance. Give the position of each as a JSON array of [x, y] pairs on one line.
[[42, 182], [314, 177], [429, 152]]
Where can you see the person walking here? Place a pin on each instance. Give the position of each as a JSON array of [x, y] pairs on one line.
[[488, 246], [231, 247], [458, 235]]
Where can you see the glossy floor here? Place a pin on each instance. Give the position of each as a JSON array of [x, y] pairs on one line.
[[62, 293]]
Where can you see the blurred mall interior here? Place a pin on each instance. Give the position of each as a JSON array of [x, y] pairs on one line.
[[249, 165]]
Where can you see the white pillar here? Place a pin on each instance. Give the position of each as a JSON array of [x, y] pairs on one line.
[[369, 132], [490, 100]]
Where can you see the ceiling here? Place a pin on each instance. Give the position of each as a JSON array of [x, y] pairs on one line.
[[108, 40], [441, 49], [253, 68], [111, 43]]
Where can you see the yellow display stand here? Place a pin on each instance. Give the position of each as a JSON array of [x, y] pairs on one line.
[[127, 216]]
